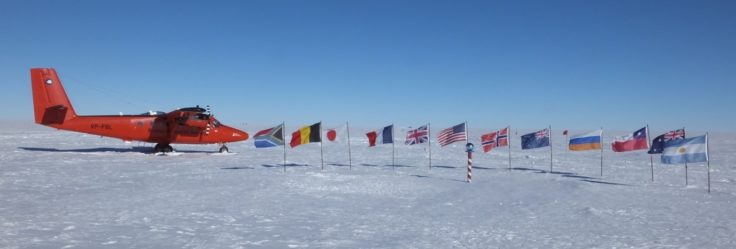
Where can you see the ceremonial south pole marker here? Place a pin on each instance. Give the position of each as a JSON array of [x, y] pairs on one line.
[[469, 149]]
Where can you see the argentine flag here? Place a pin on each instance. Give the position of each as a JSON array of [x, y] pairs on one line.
[[689, 150]]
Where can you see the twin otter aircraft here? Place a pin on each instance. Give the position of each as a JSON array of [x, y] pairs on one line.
[[184, 126]]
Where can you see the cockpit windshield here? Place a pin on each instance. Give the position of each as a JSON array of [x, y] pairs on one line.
[[154, 113], [193, 109], [215, 122]]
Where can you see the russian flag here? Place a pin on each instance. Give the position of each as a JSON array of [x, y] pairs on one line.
[[636, 141], [587, 141]]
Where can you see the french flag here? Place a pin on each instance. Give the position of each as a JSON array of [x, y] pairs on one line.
[[636, 141]]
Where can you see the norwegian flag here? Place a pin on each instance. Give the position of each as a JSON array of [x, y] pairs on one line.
[[417, 136], [495, 139]]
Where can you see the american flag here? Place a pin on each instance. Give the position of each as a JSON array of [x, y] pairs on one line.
[[417, 136], [495, 139], [676, 134], [452, 134]]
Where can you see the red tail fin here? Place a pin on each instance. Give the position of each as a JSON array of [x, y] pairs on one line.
[[50, 102]]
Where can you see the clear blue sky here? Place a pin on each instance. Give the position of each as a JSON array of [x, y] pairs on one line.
[[571, 64]]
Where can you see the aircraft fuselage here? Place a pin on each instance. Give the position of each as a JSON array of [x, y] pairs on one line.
[[152, 129], [192, 125]]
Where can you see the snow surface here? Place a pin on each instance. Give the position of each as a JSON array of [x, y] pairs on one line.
[[70, 190]]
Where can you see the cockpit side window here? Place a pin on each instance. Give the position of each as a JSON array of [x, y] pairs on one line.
[[202, 116]]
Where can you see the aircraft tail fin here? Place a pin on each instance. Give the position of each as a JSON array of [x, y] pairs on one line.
[[50, 102]]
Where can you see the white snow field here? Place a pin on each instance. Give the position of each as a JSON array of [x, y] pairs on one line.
[[69, 190]]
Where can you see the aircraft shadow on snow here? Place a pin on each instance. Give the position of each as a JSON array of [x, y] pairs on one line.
[[386, 165], [608, 183], [398, 165], [147, 150], [486, 168], [571, 175], [282, 165], [139, 149], [538, 171], [453, 167], [237, 167], [444, 167], [437, 177]]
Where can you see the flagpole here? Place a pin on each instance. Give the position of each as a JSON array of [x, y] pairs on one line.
[[508, 137], [651, 165], [283, 136], [321, 153], [350, 155], [707, 153], [429, 144], [467, 132], [467, 140], [550, 148], [393, 149], [685, 174], [651, 159], [601, 143], [683, 129]]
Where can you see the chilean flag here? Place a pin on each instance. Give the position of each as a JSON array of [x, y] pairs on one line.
[[636, 141]]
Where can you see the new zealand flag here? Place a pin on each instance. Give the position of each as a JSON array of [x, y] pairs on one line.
[[535, 140]]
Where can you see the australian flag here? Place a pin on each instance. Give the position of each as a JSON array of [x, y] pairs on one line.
[[658, 142], [535, 140]]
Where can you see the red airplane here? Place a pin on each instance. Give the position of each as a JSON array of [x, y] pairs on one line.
[[193, 125]]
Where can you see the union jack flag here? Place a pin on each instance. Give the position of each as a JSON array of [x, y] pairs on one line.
[[495, 139], [417, 136], [676, 134], [541, 134], [657, 145]]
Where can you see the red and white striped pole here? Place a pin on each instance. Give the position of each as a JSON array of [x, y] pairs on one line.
[[470, 166], [469, 149]]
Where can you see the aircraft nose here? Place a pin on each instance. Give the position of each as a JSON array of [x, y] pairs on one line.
[[229, 134], [236, 135]]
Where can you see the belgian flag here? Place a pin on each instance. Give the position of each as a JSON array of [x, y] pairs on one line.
[[307, 134]]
